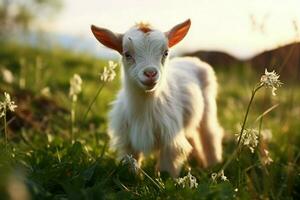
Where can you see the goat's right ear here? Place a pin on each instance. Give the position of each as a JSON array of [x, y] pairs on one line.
[[108, 38], [178, 32]]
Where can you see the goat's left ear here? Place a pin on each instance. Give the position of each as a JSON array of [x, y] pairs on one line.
[[108, 38], [178, 32]]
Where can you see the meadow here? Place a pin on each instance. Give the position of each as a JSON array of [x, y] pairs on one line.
[[49, 155]]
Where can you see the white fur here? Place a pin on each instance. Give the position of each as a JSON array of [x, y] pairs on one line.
[[176, 117]]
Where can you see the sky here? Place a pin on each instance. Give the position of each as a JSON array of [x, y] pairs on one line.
[[242, 28]]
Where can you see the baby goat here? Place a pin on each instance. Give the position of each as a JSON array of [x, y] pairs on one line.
[[166, 107]]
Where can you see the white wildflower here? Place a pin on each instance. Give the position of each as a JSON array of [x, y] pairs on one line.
[[267, 160], [220, 174], [249, 138], [7, 76], [131, 162], [270, 80], [266, 135], [187, 181], [108, 73], [46, 92], [7, 104], [214, 177], [75, 86]]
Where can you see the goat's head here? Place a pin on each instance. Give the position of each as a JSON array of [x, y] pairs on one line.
[[144, 50]]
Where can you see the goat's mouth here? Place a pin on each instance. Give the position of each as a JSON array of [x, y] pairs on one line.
[[149, 86]]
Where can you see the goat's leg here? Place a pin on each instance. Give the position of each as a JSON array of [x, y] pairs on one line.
[[173, 155], [169, 161], [197, 152], [211, 133], [139, 157], [135, 154]]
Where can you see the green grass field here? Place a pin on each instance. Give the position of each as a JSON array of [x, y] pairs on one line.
[[41, 162]]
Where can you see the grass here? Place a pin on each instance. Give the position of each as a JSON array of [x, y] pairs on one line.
[[42, 162]]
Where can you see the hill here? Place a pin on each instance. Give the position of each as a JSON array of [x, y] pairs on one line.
[[284, 59]]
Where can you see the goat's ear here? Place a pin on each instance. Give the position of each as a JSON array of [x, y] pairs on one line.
[[108, 38], [178, 32]]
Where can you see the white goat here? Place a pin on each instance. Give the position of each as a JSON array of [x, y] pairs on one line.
[[166, 107]]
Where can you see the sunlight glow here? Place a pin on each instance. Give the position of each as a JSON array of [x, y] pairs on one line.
[[240, 27]]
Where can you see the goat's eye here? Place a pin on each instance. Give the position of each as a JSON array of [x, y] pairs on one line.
[[127, 55], [166, 53]]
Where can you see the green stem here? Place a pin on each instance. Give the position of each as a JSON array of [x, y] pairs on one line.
[[5, 127], [92, 102], [260, 126], [247, 113], [229, 160], [153, 181], [73, 119]]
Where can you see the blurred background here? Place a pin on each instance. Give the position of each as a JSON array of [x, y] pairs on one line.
[[43, 43], [240, 29], [222, 32]]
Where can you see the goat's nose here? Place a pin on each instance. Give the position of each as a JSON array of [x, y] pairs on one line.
[[150, 72]]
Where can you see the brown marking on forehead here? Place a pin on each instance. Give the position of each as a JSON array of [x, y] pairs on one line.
[[144, 27]]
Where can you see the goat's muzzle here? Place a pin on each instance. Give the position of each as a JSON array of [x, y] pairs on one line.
[[151, 78]]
